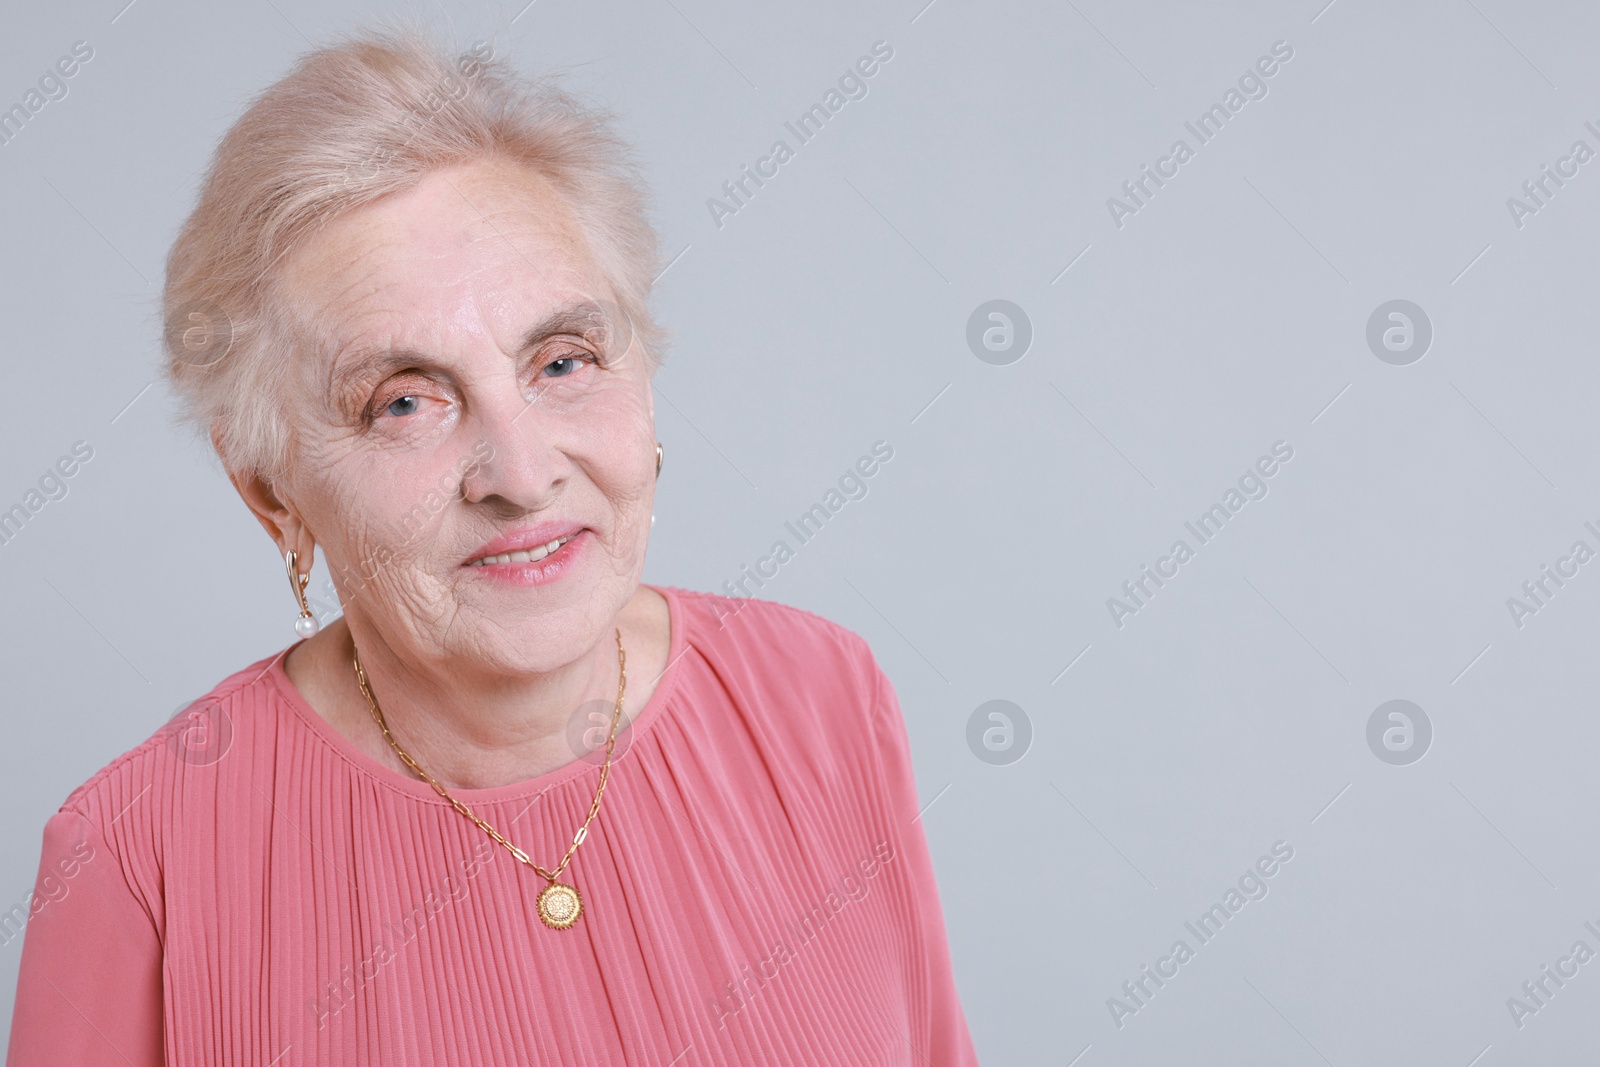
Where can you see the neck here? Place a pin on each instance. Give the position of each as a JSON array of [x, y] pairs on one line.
[[473, 730], [480, 731]]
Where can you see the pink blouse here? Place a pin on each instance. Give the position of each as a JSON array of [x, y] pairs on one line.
[[248, 888]]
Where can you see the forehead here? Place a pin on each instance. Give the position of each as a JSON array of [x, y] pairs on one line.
[[477, 247]]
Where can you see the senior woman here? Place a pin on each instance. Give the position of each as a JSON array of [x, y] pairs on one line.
[[514, 806]]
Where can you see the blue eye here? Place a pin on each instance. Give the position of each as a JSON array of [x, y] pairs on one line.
[[560, 368], [408, 403]]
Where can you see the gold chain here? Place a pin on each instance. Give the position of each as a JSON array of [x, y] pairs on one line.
[[594, 808]]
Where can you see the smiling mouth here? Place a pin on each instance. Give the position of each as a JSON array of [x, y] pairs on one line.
[[527, 555]]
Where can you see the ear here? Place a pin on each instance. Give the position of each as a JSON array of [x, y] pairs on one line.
[[278, 517]]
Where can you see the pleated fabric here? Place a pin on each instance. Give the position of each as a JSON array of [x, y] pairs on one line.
[[247, 887]]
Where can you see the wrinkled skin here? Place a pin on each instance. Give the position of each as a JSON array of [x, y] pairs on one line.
[[425, 426]]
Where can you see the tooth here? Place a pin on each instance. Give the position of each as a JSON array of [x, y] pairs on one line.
[[530, 555]]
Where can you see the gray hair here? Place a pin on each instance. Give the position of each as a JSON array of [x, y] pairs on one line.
[[367, 116]]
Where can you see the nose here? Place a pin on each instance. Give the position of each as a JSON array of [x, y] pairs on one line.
[[515, 459]]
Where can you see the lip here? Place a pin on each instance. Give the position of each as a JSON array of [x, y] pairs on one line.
[[524, 539]]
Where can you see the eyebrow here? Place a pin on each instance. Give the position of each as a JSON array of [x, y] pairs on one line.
[[575, 318]]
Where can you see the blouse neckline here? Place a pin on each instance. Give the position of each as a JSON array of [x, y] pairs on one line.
[[412, 786]]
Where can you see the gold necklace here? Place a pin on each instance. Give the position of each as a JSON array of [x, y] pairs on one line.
[[559, 903]]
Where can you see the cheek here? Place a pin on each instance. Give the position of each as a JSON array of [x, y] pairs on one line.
[[626, 480], [374, 518], [618, 443], [622, 465], [361, 500]]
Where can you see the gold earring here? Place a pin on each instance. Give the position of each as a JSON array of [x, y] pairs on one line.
[[658, 459], [306, 625]]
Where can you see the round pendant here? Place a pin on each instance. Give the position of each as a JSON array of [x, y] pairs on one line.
[[559, 906]]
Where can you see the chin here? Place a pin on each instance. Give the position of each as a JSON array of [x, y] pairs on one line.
[[545, 630]]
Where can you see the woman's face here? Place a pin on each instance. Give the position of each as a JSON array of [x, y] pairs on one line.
[[470, 392]]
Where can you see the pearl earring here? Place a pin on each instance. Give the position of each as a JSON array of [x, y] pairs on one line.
[[306, 625]]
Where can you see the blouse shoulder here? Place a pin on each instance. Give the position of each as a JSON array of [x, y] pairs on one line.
[[133, 806], [782, 635], [806, 680], [198, 734]]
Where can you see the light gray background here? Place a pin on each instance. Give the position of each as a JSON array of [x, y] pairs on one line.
[[832, 311]]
